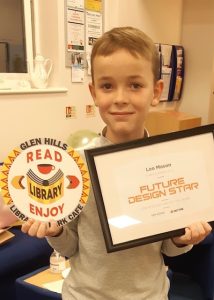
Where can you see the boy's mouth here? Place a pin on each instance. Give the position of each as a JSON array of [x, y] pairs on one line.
[[121, 113]]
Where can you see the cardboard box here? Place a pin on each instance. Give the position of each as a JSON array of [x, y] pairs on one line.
[[160, 122]]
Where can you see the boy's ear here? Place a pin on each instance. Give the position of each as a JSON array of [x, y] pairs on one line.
[[158, 88], [92, 91]]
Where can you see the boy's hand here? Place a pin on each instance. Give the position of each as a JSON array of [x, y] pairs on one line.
[[41, 229], [194, 234]]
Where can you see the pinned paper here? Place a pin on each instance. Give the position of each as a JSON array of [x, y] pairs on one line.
[[90, 110], [70, 112], [77, 74]]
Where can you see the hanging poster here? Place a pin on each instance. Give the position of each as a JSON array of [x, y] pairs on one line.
[[83, 26], [76, 3], [94, 5], [93, 28], [75, 30]]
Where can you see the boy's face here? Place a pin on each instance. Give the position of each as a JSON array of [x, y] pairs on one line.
[[123, 90]]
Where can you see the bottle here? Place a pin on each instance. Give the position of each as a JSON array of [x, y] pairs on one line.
[[57, 262]]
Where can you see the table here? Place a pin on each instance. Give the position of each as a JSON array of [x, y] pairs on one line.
[[42, 276], [31, 287]]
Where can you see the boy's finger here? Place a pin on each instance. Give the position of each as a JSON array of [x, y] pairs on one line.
[[188, 234], [26, 226], [34, 228], [207, 226], [53, 228], [42, 230]]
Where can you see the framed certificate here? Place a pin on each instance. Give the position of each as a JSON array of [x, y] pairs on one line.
[[151, 189]]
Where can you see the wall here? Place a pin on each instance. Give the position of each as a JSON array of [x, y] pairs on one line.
[[36, 115], [211, 105], [197, 38], [152, 16], [33, 115], [25, 116]]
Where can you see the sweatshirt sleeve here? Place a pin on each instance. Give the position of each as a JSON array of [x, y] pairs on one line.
[[67, 242], [170, 249]]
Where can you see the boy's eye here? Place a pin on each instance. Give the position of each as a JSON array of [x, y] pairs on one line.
[[106, 86], [135, 86]]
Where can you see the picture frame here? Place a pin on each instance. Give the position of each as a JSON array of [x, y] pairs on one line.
[[150, 189]]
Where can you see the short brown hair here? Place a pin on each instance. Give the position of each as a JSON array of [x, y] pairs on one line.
[[133, 40]]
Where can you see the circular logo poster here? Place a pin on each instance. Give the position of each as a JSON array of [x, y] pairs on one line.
[[45, 179]]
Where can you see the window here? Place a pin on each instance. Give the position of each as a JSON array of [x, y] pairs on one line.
[[34, 16], [16, 49]]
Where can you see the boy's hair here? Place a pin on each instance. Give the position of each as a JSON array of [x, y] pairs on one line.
[[131, 39]]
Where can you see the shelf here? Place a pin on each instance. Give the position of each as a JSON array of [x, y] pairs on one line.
[[34, 91]]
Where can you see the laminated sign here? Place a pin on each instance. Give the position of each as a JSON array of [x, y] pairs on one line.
[[45, 179]]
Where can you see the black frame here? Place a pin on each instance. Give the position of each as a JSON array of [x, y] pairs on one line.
[[90, 157]]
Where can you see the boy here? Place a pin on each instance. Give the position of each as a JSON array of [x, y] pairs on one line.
[[125, 82]]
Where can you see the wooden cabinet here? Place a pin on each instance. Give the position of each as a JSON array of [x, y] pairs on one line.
[[159, 122]]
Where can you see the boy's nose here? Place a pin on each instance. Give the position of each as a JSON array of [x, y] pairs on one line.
[[120, 96]]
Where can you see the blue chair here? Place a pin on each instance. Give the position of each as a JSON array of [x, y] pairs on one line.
[[191, 276], [183, 287], [25, 290], [196, 268], [19, 256]]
